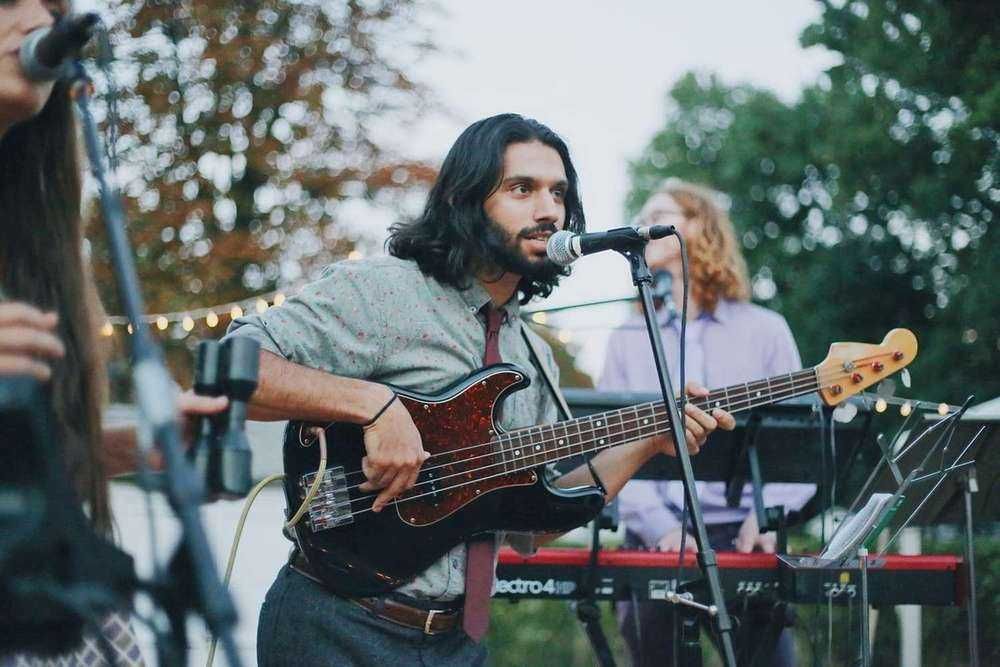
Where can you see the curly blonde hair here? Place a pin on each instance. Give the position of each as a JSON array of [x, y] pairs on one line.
[[718, 270]]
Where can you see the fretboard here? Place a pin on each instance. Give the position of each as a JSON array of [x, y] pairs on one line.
[[537, 445]]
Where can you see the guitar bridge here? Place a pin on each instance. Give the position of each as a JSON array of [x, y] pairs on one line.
[[331, 506]]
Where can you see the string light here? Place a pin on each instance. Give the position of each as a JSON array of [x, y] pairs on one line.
[[565, 336], [539, 318], [943, 409], [906, 409], [881, 405], [210, 316]]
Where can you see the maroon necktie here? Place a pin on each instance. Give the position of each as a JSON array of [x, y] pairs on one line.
[[479, 554]]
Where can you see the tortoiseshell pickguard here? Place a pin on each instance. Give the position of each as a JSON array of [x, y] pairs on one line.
[[464, 426]]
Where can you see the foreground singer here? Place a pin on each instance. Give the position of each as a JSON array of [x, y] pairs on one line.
[[49, 309], [444, 304]]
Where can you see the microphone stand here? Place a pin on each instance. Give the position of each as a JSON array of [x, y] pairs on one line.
[[154, 391], [643, 280]]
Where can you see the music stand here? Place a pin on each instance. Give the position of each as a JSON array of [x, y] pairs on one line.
[[967, 459]]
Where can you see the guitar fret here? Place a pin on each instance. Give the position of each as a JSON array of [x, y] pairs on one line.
[[504, 451], [538, 451], [537, 445]]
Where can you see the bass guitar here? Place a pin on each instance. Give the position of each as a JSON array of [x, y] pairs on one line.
[[480, 478]]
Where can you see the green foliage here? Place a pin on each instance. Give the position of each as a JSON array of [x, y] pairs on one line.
[[870, 202]]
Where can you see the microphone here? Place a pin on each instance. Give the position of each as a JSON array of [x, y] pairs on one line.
[[565, 247], [45, 51], [663, 290]]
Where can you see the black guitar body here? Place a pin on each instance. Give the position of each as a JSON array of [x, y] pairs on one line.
[[472, 484]]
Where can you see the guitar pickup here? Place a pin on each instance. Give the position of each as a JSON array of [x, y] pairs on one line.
[[331, 506]]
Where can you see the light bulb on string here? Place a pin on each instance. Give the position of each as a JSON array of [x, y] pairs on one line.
[[187, 323], [161, 323], [211, 319], [235, 312]]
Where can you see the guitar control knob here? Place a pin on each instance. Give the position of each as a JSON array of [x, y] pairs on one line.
[[856, 378], [836, 390], [878, 367], [897, 356]]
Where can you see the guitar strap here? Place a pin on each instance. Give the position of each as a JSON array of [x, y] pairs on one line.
[[536, 359]]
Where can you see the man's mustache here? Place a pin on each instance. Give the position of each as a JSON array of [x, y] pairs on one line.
[[538, 229]]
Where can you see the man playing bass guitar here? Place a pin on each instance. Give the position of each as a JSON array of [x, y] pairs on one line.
[[442, 305]]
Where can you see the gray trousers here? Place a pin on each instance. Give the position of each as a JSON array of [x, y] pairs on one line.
[[304, 625]]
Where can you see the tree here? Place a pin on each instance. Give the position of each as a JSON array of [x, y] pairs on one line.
[[254, 139], [869, 202]]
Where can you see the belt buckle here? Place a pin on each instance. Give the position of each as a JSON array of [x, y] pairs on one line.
[[430, 619]]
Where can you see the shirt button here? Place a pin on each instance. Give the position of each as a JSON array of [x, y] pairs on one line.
[[473, 309]]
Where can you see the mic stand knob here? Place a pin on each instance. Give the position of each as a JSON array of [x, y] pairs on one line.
[[207, 382]]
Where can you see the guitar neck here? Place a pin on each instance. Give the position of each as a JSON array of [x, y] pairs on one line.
[[538, 445]]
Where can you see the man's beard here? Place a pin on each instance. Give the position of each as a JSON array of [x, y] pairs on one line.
[[504, 255]]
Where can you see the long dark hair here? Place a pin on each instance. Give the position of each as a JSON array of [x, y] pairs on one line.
[[41, 263], [450, 239]]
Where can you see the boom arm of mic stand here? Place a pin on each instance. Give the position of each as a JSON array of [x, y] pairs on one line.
[[643, 279], [153, 387]]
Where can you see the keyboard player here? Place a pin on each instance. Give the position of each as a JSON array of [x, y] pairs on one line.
[[729, 340]]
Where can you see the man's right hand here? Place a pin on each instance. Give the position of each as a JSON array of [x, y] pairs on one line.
[[395, 454], [27, 341], [672, 542]]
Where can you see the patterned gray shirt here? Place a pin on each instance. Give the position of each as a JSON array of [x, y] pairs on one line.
[[383, 320]]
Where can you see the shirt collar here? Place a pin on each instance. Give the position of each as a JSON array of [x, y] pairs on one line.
[[721, 315], [476, 296]]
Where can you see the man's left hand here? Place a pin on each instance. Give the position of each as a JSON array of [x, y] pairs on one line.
[[190, 406], [750, 538], [698, 424]]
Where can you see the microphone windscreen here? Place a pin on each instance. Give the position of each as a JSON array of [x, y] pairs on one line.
[[560, 248]]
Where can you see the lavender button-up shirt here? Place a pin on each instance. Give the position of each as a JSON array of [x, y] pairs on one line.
[[739, 342]]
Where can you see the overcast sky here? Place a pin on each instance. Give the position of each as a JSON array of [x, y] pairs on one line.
[[597, 73]]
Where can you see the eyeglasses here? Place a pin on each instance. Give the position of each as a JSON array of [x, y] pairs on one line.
[[661, 217]]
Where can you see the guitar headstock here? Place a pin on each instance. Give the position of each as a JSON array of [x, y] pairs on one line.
[[850, 368]]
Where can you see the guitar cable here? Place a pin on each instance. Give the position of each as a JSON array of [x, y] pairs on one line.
[[291, 523]]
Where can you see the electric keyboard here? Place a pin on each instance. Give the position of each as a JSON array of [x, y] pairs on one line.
[[648, 575]]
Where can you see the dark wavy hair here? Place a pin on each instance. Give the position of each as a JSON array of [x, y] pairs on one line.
[[451, 240], [41, 263]]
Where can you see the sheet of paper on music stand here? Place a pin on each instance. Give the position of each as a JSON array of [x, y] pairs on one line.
[[857, 528]]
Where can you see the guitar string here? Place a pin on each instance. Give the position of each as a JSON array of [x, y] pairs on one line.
[[636, 431], [658, 413], [774, 389]]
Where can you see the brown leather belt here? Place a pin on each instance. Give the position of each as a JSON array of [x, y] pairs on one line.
[[428, 621]]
